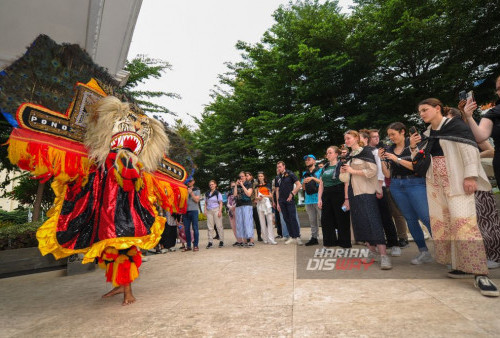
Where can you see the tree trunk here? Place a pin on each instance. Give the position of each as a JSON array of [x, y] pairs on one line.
[[38, 202]]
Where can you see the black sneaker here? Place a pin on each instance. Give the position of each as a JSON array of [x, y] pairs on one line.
[[236, 244], [221, 244], [403, 243], [312, 241], [457, 274], [486, 286], [209, 245], [251, 244], [260, 239], [278, 237]]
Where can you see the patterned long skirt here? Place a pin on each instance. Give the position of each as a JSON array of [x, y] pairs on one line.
[[457, 239], [489, 223]]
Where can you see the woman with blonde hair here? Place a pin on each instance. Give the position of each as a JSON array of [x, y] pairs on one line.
[[360, 172], [454, 174]]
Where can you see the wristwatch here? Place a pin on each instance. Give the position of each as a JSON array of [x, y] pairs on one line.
[[399, 159]]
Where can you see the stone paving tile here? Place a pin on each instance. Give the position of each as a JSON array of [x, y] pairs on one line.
[[233, 292], [390, 318]]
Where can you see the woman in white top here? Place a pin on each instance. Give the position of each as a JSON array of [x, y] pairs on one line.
[[453, 176]]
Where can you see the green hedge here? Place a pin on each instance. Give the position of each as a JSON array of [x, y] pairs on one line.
[[15, 236], [18, 216]]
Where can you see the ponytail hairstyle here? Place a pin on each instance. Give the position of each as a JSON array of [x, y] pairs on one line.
[[435, 103], [335, 149], [365, 133], [397, 126], [355, 134]]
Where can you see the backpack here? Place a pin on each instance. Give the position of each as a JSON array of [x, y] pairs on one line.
[[311, 187], [215, 193]]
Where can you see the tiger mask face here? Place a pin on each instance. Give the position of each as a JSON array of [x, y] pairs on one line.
[[112, 126]]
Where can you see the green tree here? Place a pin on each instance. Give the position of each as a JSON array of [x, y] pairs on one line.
[[141, 69], [316, 73]]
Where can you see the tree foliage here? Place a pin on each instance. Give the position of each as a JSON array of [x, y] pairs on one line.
[[141, 69], [317, 72]]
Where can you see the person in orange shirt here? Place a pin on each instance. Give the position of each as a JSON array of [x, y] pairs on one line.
[[263, 197]]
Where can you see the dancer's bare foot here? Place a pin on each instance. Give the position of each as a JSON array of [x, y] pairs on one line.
[[115, 291], [128, 297]]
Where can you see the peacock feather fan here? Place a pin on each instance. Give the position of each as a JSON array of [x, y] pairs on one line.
[[46, 75]]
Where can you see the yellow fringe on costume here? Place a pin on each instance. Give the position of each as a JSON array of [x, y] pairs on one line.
[[47, 158], [164, 192], [47, 241], [120, 269]]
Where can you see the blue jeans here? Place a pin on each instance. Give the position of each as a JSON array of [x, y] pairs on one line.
[[410, 196], [291, 218], [284, 230], [191, 217]]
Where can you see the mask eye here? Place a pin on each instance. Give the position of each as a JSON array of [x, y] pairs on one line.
[[132, 117]]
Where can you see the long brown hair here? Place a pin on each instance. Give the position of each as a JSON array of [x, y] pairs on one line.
[[265, 178]]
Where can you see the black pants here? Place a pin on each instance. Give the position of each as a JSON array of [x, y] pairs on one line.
[[289, 212], [390, 232], [496, 167], [256, 221], [334, 218], [277, 221], [169, 236]]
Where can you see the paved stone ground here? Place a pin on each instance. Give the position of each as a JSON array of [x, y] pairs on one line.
[[250, 292]]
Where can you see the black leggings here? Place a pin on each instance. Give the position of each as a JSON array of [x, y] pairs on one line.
[[334, 218]]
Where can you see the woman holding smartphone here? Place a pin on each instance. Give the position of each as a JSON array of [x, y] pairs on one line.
[[408, 189], [455, 173], [361, 175], [334, 203], [489, 126]]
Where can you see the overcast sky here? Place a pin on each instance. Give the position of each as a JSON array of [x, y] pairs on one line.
[[197, 37]]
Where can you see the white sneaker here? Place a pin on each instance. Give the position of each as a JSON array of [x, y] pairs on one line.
[[265, 242], [273, 242], [492, 264], [289, 241], [395, 251], [385, 262], [299, 241], [372, 257], [422, 257]]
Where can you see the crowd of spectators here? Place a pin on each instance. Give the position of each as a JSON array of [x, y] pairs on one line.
[[370, 193]]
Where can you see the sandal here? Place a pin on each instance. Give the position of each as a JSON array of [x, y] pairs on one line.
[[196, 249], [186, 249]]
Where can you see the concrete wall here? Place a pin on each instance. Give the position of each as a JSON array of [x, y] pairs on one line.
[[6, 203]]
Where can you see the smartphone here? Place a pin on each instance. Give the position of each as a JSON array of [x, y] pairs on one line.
[[470, 95], [412, 130], [462, 95]]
